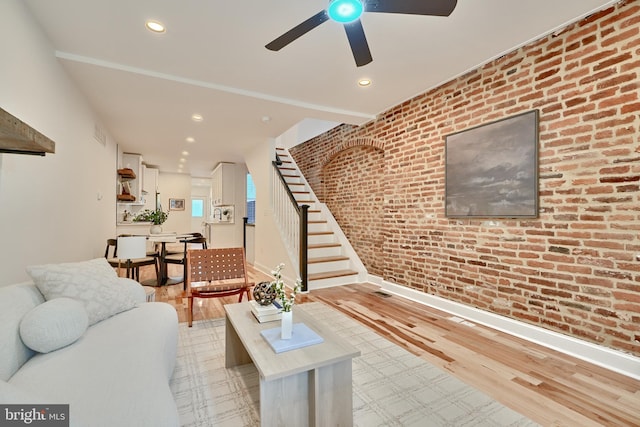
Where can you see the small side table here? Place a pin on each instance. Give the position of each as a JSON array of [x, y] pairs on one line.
[[151, 293]]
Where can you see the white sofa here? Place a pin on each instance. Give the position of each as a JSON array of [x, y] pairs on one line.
[[115, 374]]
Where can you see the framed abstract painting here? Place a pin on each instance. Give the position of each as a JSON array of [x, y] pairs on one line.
[[491, 171]]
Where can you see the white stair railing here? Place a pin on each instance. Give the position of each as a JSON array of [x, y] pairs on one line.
[[291, 220]]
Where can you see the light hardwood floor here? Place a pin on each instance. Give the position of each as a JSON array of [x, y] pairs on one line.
[[548, 387]]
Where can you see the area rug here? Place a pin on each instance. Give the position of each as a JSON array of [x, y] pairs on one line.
[[391, 387]]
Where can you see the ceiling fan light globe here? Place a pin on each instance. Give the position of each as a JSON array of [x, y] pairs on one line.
[[345, 11]]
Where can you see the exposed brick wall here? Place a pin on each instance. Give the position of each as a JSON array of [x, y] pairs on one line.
[[574, 268], [353, 188]]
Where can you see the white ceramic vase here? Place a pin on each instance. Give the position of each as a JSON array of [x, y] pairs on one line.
[[155, 229], [286, 325]]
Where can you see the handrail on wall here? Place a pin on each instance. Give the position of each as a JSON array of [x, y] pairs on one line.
[[303, 214]]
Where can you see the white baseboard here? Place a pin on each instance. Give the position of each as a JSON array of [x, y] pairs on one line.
[[262, 268], [598, 355], [288, 280]]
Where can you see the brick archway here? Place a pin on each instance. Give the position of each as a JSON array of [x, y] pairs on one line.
[[369, 142], [352, 177]]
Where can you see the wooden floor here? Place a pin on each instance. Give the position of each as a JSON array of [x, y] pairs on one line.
[[548, 387]]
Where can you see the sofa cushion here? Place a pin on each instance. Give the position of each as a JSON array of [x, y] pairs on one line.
[[54, 324], [117, 374], [93, 282], [12, 394], [15, 302]]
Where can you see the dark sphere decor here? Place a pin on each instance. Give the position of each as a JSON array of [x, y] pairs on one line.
[[264, 293]]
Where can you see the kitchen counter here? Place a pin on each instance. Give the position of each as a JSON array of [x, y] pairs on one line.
[[135, 228]]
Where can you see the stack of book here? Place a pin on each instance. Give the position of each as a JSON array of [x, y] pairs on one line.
[[266, 313]]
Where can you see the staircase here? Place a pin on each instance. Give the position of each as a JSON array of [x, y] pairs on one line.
[[331, 260]]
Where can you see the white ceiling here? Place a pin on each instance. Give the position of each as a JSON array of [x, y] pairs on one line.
[[212, 61]]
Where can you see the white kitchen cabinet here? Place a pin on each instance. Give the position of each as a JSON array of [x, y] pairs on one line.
[[150, 188], [223, 184]]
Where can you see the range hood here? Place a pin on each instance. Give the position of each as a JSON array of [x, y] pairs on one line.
[[19, 138]]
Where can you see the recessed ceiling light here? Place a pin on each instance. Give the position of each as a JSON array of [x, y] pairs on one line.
[[266, 119], [190, 139], [182, 160], [155, 26], [185, 153], [364, 82], [196, 117]]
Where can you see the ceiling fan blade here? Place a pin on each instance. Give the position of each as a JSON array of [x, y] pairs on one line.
[[298, 31], [358, 42], [412, 7]]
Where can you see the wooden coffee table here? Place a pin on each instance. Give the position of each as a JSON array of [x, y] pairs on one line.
[[308, 386]]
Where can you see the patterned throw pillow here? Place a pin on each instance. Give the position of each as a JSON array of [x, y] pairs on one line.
[[94, 283]]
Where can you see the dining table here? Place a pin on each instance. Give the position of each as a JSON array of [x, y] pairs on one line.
[[162, 239]]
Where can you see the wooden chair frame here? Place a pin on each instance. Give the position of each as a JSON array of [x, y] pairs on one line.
[[133, 267], [223, 272], [181, 257]]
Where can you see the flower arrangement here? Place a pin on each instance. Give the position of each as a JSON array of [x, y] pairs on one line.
[[278, 285], [157, 217]]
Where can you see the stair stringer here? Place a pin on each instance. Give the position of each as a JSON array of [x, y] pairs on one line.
[[356, 262]]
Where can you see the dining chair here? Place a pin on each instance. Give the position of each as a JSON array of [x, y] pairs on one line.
[[133, 267], [152, 251], [172, 250], [215, 273], [180, 258]]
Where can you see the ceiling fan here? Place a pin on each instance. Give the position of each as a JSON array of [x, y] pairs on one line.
[[348, 12]]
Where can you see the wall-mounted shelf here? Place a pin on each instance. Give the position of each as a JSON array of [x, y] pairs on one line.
[[130, 178], [125, 203], [19, 138], [126, 173], [223, 215]]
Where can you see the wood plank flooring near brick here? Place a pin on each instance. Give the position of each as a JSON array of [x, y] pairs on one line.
[[550, 388]]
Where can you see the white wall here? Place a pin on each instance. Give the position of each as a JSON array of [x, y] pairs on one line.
[[175, 186], [201, 188], [251, 244], [304, 131], [230, 235], [241, 202], [269, 250], [60, 207]]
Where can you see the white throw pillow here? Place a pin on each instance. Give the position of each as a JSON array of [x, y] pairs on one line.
[[134, 288], [53, 324], [94, 282]]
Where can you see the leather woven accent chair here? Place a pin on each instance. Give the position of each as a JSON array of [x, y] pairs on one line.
[[215, 273]]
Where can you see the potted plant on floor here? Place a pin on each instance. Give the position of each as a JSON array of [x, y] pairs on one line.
[[156, 217]]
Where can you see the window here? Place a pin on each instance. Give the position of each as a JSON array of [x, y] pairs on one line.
[[251, 200], [197, 208]]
